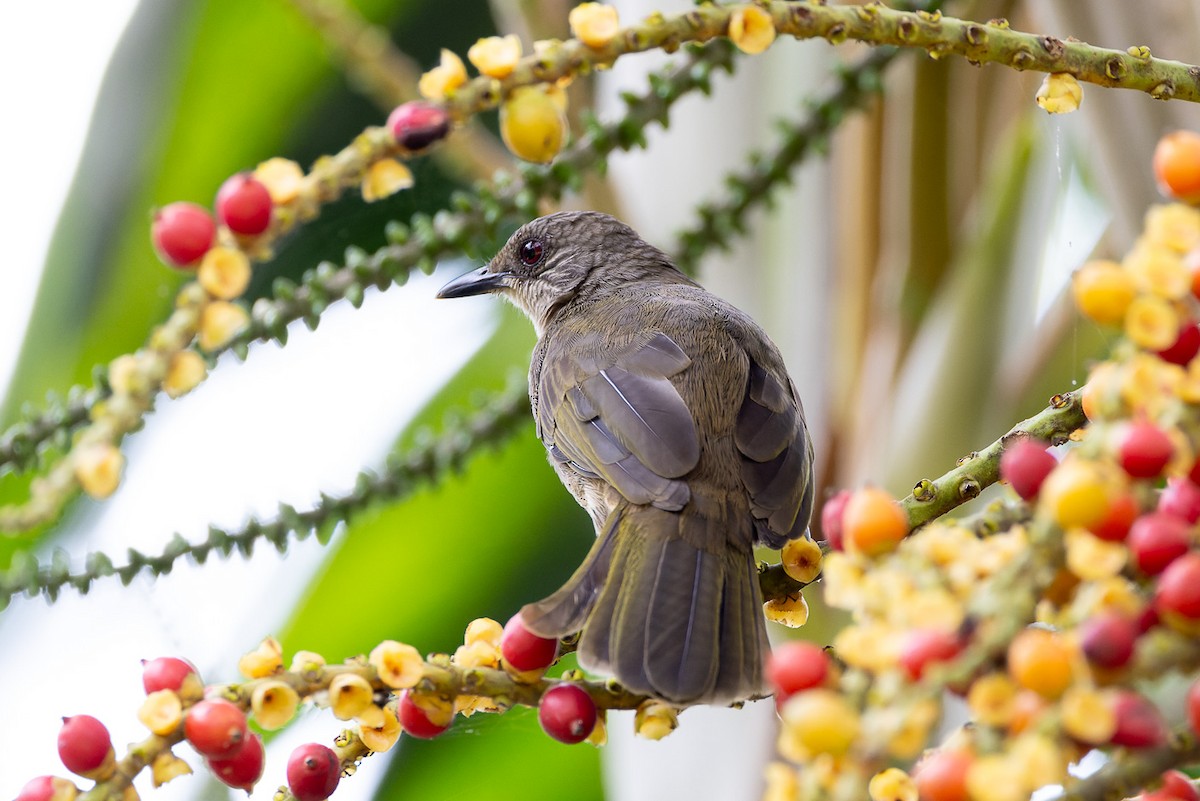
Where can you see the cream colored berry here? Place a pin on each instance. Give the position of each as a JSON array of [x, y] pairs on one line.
[[349, 695], [274, 704], [185, 372], [594, 24], [654, 720], [98, 467], [224, 272], [444, 79], [1060, 93], [399, 665], [791, 611], [752, 29], [382, 737], [220, 322], [801, 560], [385, 178], [496, 56], [484, 629], [161, 712], [265, 660], [283, 179]]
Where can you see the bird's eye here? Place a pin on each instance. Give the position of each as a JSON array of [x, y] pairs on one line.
[[530, 252]]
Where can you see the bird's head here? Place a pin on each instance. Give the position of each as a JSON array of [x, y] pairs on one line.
[[555, 259]]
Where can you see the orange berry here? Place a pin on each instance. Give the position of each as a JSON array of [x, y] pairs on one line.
[[1041, 660], [1176, 165], [942, 775], [873, 522], [1103, 291]]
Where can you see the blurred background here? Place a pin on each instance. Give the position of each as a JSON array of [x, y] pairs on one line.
[[912, 274]]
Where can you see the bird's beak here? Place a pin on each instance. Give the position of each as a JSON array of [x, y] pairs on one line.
[[475, 282]]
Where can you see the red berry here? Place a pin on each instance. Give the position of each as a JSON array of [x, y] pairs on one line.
[[313, 772], [1025, 465], [1139, 724], [1185, 348], [83, 744], [43, 788], [942, 775], [1122, 511], [1176, 786], [796, 666], [216, 728], [567, 713], [1144, 450], [182, 233], [1178, 590], [923, 646], [166, 673], [418, 125], [415, 720], [832, 514], [1157, 539], [242, 770], [1181, 498], [244, 204], [525, 650], [1193, 706], [1108, 639]]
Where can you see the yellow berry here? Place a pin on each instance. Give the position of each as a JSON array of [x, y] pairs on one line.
[[791, 611], [1041, 660], [384, 178], [1173, 225], [892, 784], [220, 322], [484, 629], [265, 660], [448, 75], [532, 125], [224, 272], [477, 654], [371, 716], [400, 666], [1152, 323], [1103, 291], [801, 560], [184, 373], [1087, 715], [496, 56], [1060, 93], [284, 179], [161, 712], [274, 704], [167, 766], [820, 721], [1038, 759], [993, 777], [98, 467], [349, 695], [1075, 494], [382, 737], [782, 782], [124, 375], [307, 662], [752, 29], [991, 699], [1159, 270], [594, 24], [654, 720], [1091, 558]]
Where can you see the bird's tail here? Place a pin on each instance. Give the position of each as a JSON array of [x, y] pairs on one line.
[[668, 605]]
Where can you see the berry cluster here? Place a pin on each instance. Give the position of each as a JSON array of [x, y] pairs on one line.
[[1047, 621], [390, 692]]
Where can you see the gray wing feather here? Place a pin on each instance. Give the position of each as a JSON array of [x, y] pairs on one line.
[[776, 457], [623, 420]]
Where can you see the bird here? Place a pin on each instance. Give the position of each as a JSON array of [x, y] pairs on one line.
[[670, 416]]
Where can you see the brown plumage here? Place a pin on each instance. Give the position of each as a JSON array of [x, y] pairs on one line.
[[670, 417]]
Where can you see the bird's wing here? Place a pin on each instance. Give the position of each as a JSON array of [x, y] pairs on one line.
[[776, 454], [620, 417]]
